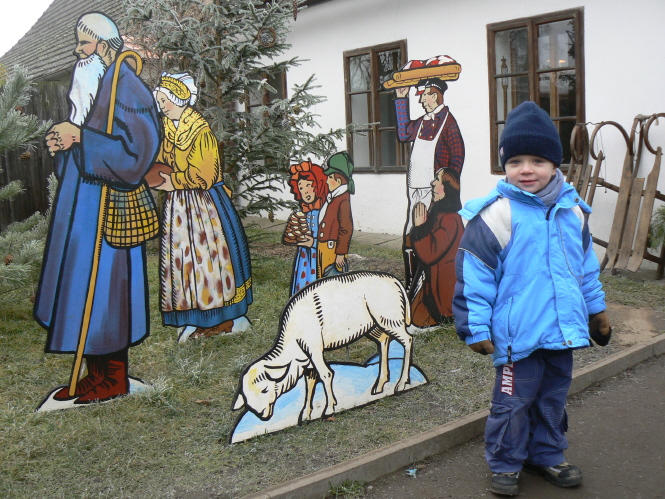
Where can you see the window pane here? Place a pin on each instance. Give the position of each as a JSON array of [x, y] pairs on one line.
[[545, 91], [277, 83], [388, 148], [388, 64], [255, 97], [360, 108], [557, 93], [368, 103], [510, 92], [565, 129], [359, 75], [566, 88], [361, 149], [387, 109], [556, 45], [263, 95], [496, 153], [511, 51]]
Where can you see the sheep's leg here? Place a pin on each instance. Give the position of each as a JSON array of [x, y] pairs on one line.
[[406, 340], [382, 340], [311, 378], [326, 376]]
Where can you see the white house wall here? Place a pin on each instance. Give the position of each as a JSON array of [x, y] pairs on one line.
[[624, 74]]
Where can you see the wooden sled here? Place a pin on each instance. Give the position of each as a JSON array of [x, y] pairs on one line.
[[627, 244]]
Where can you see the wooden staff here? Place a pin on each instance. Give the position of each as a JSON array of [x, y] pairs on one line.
[[87, 311]]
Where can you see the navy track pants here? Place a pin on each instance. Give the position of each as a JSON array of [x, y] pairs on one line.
[[528, 420]]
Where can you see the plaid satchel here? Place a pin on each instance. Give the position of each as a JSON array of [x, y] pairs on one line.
[[131, 217]]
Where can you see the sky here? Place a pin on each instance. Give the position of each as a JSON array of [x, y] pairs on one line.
[[17, 18]]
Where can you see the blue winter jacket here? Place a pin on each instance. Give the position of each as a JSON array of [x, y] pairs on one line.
[[527, 275]]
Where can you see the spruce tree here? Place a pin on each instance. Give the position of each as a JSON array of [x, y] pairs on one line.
[[21, 243], [233, 48]]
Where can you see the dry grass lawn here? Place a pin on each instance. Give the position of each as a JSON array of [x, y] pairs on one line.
[[173, 440]]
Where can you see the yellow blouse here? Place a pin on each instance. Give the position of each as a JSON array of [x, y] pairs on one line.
[[191, 150]]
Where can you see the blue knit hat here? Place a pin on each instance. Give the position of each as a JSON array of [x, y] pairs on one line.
[[529, 130]]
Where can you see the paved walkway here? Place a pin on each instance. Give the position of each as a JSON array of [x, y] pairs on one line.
[[616, 435]]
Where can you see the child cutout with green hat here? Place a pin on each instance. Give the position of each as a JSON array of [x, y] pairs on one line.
[[528, 293], [335, 220]]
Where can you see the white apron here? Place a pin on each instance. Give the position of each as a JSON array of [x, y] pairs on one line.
[[420, 173]]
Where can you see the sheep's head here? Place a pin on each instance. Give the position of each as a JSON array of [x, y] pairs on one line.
[[260, 388]]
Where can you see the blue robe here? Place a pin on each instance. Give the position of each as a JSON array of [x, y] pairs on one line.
[[120, 308]]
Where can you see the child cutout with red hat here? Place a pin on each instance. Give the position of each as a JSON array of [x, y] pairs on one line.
[[309, 187], [528, 293]]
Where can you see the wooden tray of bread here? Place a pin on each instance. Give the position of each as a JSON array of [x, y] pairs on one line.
[[442, 66]]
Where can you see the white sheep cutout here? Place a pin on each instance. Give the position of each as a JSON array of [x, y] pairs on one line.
[[328, 314]]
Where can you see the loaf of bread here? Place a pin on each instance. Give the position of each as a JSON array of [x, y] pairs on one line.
[[153, 177], [297, 230], [442, 67]]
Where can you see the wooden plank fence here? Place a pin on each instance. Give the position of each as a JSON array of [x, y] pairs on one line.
[[49, 101]]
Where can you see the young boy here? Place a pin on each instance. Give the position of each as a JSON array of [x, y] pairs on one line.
[[528, 293]]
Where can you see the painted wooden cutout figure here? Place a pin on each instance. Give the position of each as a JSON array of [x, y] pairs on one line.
[[328, 314], [335, 219], [93, 289], [435, 238], [436, 144], [205, 265], [309, 186]]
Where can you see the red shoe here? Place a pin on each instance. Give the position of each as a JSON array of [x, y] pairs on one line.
[[85, 384], [114, 383]]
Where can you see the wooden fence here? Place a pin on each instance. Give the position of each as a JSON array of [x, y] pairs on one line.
[[49, 101]]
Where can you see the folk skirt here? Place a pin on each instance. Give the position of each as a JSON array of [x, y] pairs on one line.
[[205, 267]]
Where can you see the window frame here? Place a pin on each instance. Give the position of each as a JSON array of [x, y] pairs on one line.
[[531, 24], [402, 149]]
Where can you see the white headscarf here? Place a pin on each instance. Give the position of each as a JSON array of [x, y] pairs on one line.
[[184, 78]]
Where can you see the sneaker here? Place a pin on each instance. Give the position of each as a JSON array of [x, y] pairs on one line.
[[561, 475], [505, 484]]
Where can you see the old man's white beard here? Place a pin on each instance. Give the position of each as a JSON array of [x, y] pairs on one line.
[[88, 73]]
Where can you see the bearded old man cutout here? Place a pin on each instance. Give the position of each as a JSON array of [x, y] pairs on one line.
[[93, 291]]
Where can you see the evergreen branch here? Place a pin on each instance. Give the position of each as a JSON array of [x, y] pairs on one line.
[[11, 190], [218, 43], [16, 128]]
